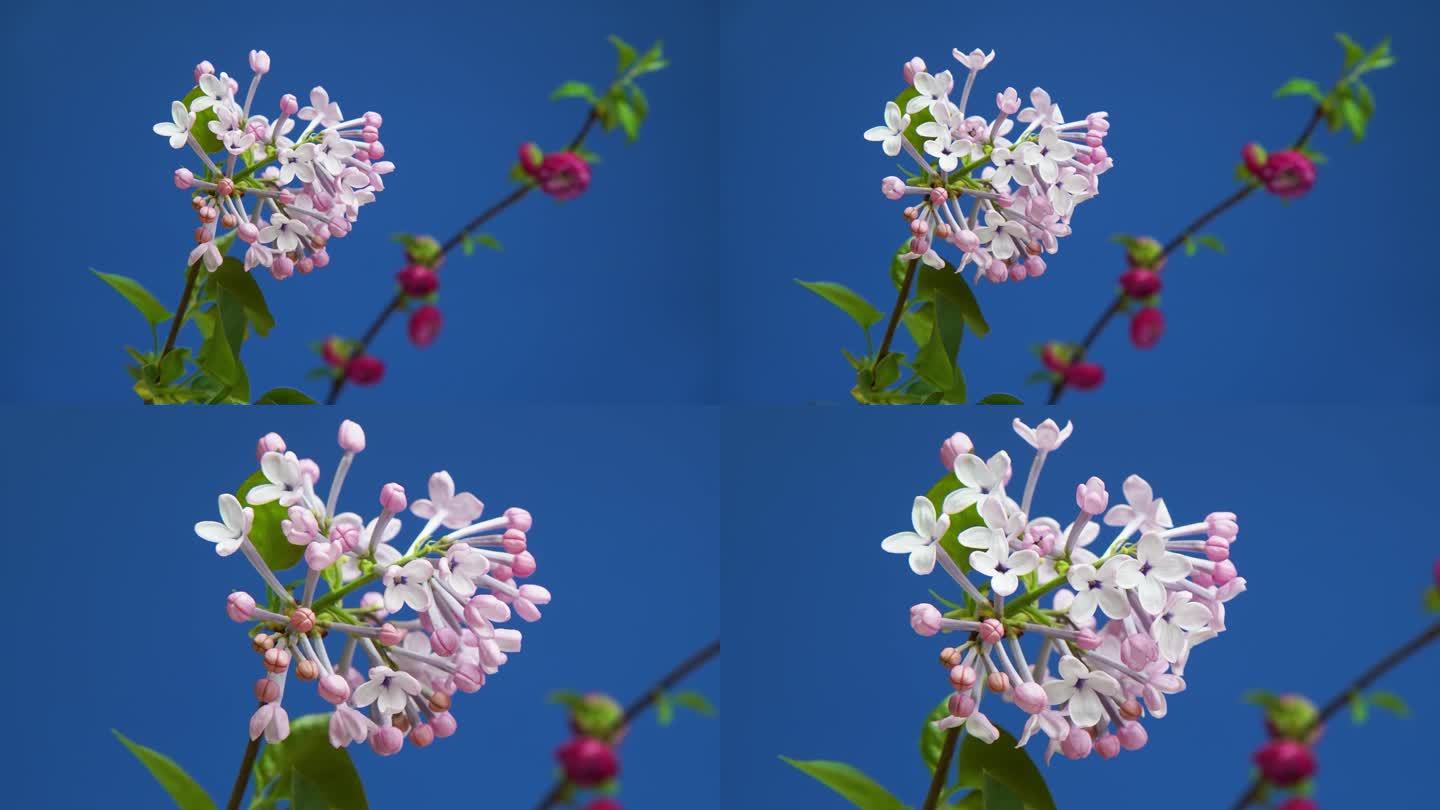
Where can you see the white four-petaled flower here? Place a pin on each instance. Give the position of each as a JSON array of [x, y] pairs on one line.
[[387, 689], [919, 544], [890, 136], [228, 535], [1082, 687], [177, 129]]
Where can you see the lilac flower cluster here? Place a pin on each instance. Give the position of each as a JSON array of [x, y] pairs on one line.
[[1161, 588], [460, 585]]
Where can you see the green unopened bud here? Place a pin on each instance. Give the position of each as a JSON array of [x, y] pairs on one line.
[[596, 715]]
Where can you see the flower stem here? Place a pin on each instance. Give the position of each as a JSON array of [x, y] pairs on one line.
[[242, 779], [191, 276], [1342, 698], [638, 706], [398, 300], [375, 573], [1057, 388], [895, 314], [942, 769]]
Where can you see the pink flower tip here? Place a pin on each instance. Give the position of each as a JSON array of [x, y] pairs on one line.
[[961, 704], [352, 437], [390, 635], [1091, 496], [289, 105], [392, 498], [302, 620], [260, 62], [240, 606], [991, 631], [1107, 746], [422, 735], [1077, 744], [1030, 697], [443, 724], [334, 689], [514, 541], [1133, 736], [266, 690], [518, 518], [524, 564], [1087, 640], [269, 443], [954, 447], [184, 178], [387, 741], [910, 68], [203, 68], [445, 641], [925, 619]]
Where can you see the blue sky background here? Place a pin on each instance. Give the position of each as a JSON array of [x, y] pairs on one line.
[[608, 298], [615, 494], [822, 650], [1326, 299]]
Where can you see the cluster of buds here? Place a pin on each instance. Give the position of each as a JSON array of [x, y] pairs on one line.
[[1162, 589], [1287, 759], [1025, 185], [1286, 174], [562, 175], [334, 163], [1059, 359], [461, 585], [1140, 285], [589, 759], [360, 368]]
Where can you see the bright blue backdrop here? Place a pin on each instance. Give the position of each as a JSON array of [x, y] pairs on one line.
[[1325, 299], [138, 639], [599, 299], [821, 648]]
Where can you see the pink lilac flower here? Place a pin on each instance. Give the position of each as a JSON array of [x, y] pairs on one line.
[[1101, 657], [1022, 187], [392, 676], [295, 191]]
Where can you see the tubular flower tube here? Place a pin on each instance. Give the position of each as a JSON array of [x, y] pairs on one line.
[[1022, 183], [1122, 621], [295, 191], [394, 674]]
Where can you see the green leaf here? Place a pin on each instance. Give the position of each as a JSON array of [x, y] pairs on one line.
[[950, 285], [1354, 117], [1353, 52], [933, 363], [859, 310], [1000, 399], [573, 89], [1359, 709], [139, 297], [629, 121], [932, 739], [278, 552], [1390, 702], [242, 287], [887, 371], [1190, 247], [997, 796], [857, 788], [1212, 242], [1432, 599], [183, 789], [1006, 764], [1300, 87], [664, 709], [625, 53], [328, 775], [284, 396], [695, 702]]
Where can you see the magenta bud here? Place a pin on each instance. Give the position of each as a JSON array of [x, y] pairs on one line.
[[1108, 746], [302, 620], [289, 104], [352, 437], [469, 678], [309, 469], [387, 740], [1091, 496], [1217, 549], [519, 519], [392, 498], [967, 241], [390, 635], [282, 268], [1077, 743], [373, 119], [320, 257], [443, 723], [1224, 572], [962, 704], [954, 447], [422, 735], [1133, 736], [1222, 524], [248, 233], [240, 606]]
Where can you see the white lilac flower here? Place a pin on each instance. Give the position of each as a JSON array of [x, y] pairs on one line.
[[1102, 657], [972, 169], [462, 586], [295, 192]]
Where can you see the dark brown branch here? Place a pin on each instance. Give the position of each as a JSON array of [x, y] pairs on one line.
[[337, 385], [180, 309], [638, 706], [899, 310], [243, 777], [1393, 659], [942, 767]]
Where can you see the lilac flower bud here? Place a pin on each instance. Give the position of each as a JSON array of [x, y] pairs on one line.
[[1091, 496], [915, 65], [390, 635], [963, 676], [1222, 524], [1138, 651], [997, 682], [524, 564], [302, 620], [924, 619], [392, 498], [1133, 736], [1217, 549], [309, 470], [282, 268], [248, 233], [1087, 640], [1224, 572], [184, 178], [277, 660], [1008, 101], [1035, 266], [1030, 697], [991, 631], [334, 689], [445, 642], [352, 437], [962, 704], [519, 519], [320, 257], [996, 271], [240, 606], [260, 62], [373, 119], [514, 540], [422, 735], [967, 241], [952, 448], [387, 740], [892, 187], [266, 690], [288, 104], [443, 723], [1107, 746], [203, 68], [300, 527], [1077, 744]]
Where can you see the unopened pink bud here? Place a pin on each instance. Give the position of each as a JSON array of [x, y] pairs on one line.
[[991, 631], [443, 723], [1222, 524], [997, 682], [248, 232], [282, 268], [1107, 746], [267, 691], [519, 519], [302, 620], [1138, 651], [289, 104], [1035, 266], [184, 178], [1087, 640], [320, 257], [952, 448], [445, 641], [925, 619], [390, 635], [352, 437], [334, 689], [915, 65], [514, 541], [997, 272], [1030, 697], [1133, 736], [260, 62], [1091, 496], [920, 227], [373, 119], [1224, 572], [240, 606], [963, 676], [387, 740], [967, 240], [1077, 744], [203, 68], [524, 564], [1217, 549], [392, 498], [962, 704], [892, 187], [422, 735], [277, 660]]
